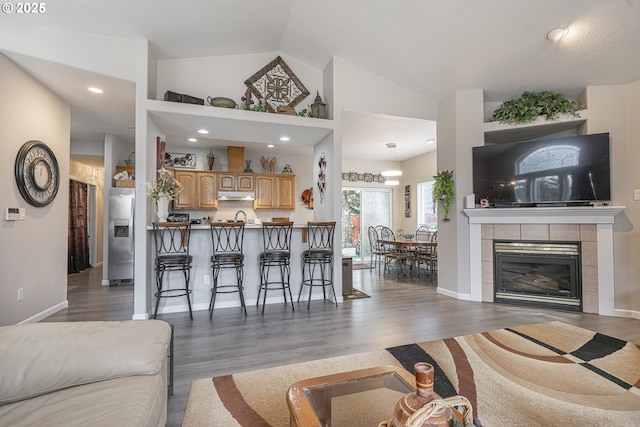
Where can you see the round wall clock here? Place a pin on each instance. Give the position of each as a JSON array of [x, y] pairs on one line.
[[37, 173]]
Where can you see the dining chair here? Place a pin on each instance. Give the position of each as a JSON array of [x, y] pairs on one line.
[[428, 256], [396, 257], [423, 233], [377, 253]]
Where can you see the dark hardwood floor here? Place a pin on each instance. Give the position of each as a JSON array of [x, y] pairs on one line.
[[398, 312]]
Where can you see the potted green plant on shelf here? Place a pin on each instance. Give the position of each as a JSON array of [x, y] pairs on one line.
[[531, 105], [443, 192], [210, 158]]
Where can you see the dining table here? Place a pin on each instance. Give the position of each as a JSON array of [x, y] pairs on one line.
[[413, 247]]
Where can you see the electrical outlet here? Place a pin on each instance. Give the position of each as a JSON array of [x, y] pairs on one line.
[[636, 194], [20, 294], [207, 280]]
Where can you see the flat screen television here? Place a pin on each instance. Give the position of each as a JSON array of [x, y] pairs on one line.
[[566, 171]]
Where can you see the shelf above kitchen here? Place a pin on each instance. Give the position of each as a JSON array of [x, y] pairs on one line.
[[181, 121]]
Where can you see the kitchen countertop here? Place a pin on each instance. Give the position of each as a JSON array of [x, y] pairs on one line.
[[205, 226]]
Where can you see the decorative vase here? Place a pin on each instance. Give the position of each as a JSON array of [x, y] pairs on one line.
[[248, 168], [163, 208], [424, 394], [210, 161]]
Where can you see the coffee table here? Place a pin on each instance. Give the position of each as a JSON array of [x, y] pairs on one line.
[[370, 393]]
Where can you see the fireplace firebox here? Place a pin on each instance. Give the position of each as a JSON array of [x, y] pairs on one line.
[[542, 273]]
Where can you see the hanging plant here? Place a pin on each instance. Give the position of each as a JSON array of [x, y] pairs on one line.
[[443, 192], [533, 104]]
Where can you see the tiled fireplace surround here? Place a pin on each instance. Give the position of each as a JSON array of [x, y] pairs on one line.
[[593, 226]]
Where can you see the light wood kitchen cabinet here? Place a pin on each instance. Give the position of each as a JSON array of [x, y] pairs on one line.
[[275, 192], [207, 195], [229, 181], [198, 190]]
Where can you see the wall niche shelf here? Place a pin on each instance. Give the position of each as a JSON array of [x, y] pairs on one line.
[[183, 120], [496, 132]]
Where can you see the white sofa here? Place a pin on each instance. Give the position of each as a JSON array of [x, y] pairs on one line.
[[84, 373]]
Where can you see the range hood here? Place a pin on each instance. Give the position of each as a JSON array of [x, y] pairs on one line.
[[236, 195]]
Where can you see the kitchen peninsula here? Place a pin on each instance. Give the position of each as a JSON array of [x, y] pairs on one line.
[[231, 194], [201, 273]]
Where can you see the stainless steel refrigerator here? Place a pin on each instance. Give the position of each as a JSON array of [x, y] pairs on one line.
[[121, 250]]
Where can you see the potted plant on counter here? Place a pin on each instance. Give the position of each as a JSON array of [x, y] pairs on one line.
[[443, 192]]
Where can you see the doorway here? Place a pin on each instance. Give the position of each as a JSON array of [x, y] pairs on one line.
[[78, 231], [361, 208]]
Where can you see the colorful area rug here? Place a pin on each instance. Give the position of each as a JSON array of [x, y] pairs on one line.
[[548, 374]]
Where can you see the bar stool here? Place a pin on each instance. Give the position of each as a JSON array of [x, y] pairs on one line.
[[276, 238], [172, 254], [318, 259], [227, 242]]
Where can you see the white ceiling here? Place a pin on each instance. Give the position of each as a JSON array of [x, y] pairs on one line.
[[429, 46]]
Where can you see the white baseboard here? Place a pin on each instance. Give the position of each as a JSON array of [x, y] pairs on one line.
[[106, 282], [46, 313], [452, 294], [633, 314]]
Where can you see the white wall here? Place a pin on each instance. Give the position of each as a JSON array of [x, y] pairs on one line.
[[418, 169], [108, 55], [459, 129], [615, 109], [34, 251]]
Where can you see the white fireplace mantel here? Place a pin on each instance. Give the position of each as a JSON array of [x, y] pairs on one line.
[[602, 216], [551, 215]]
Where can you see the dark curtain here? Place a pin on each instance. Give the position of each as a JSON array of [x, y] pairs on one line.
[[78, 256]]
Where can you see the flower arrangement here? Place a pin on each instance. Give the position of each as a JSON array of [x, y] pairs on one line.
[[165, 186]]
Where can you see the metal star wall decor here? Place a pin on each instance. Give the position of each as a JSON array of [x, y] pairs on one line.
[[277, 85]]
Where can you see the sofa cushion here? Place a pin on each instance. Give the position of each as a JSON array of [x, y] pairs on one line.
[[39, 358], [129, 401]]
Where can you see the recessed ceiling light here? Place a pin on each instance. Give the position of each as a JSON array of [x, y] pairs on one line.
[[284, 139], [431, 141], [95, 89], [556, 34], [270, 146], [193, 140], [203, 131]]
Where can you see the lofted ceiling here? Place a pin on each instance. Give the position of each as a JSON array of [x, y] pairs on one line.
[[431, 47]]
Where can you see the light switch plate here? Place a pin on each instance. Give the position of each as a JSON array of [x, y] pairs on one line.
[[636, 194]]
